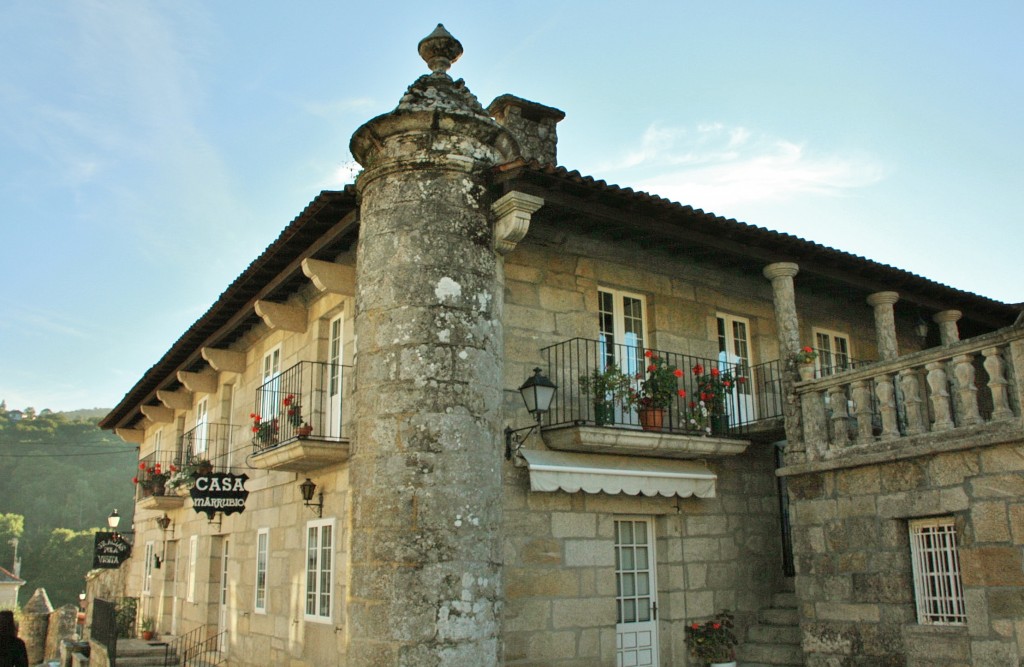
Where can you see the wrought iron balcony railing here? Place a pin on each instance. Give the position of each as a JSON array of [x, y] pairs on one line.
[[754, 394], [304, 401], [207, 441]]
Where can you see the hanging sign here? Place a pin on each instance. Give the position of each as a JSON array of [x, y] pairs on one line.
[[219, 492], [111, 550]]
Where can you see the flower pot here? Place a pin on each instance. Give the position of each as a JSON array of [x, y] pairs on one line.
[[720, 424], [304, 431], [604, 413], [204, 469], [806, 371], [159, 488], [651, 419], [147, 635]]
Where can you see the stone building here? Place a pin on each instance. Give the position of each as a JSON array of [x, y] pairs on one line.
[[868, 515]]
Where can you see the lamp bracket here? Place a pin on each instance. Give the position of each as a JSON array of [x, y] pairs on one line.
[[317, 507], [514, 442]]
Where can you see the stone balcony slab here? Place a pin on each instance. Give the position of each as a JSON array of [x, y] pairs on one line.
[[302, 455], [166, 502], [635, 442]]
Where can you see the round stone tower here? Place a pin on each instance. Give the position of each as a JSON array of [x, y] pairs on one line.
[[425, 580]]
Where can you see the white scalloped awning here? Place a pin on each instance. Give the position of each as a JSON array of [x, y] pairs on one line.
[[595, 473]]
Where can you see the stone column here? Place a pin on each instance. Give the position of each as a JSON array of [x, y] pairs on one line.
[[885, 323], [784, 297], [425, 474], [949, 333]]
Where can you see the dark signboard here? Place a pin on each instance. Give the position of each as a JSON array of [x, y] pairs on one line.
[[111, 550], [219, 492]]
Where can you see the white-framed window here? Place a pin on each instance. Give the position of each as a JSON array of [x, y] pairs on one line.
[[262, 552], [269, 402], [622, 329], [193, 559], [202, 428], [319, 569], [938, 591], [833, 351], [147, 569]]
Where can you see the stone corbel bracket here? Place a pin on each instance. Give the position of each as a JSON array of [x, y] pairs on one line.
[[133, 435], [199, 383], [224, 361], [330, 277], [175, 400], [512, 219], [157, 414], [282, 316]]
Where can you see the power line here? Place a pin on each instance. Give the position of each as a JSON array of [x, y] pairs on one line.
[[62, 454]]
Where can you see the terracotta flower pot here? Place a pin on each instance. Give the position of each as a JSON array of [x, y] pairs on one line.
[[806, 372], [652, 419]]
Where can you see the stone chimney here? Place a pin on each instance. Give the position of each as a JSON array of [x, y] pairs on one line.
[[531, 124]]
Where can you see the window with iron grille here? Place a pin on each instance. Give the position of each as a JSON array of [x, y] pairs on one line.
[[938, 591]]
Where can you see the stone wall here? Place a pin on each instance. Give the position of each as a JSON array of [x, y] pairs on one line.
[[854, 575]]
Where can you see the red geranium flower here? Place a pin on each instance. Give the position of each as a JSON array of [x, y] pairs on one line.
[[716, 626], [715, 372], [741, 379], [695, 626], [135, 480], [682, 393], [807, 349], [651, 368], [142, 466], [678, 373], [698, 370], [648, 354]]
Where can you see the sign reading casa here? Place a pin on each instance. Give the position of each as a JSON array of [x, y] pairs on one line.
[[219, 492]]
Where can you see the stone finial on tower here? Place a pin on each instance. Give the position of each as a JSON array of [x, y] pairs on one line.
[[439, 49]]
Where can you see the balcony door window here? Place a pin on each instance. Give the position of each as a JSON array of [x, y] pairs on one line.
[[201, 432], [833, 351], [319, 569], [734, 358], [622, 336], [334, 376], [268, 402]]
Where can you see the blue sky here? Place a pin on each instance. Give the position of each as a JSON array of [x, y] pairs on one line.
[[150, 150]]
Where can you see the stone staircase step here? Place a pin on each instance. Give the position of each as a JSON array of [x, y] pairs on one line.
[[774, 634], [784, 600], [773, 616], [773, 654]]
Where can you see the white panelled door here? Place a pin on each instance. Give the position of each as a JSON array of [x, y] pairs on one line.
[[622, 335], [334, 377], [734, 357], [636, 604]]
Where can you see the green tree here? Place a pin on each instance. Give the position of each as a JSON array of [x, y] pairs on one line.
[[67, 556], [12, 526]]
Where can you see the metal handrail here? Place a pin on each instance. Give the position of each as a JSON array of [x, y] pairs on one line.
[[306, 397]]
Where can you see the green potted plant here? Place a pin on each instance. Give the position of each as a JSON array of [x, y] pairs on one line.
[[713, 640], [146, 627], [605, 388], [657, 390], [153, 479]]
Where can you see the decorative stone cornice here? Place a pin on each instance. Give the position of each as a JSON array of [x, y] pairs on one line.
[[512, 213], [175, 400], [133, 435], [330, 277], [883, 298], [199, 383], [225, 361], [157, 414], [283, 316], [781, 270]]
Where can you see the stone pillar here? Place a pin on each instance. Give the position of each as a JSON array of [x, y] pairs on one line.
[[425, 474], [784, 296], [885, 323], [35, 621], [949, 333]]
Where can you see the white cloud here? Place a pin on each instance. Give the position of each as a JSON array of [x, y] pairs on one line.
[[718, 167]]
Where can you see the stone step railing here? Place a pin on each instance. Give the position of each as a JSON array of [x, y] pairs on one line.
[[946, 389]]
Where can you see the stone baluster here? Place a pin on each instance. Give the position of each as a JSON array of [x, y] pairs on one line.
[[949, 333], [995, 366], [911, 386], [815, 425], [963, 371], [886, 393], [939, 396], [840, 416], [861, 392]]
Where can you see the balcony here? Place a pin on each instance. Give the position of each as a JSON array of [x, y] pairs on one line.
[[580, 422], [298, 424], [151, 490], [940, 399]]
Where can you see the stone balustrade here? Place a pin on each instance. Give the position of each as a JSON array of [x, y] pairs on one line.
[[971, 387]]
